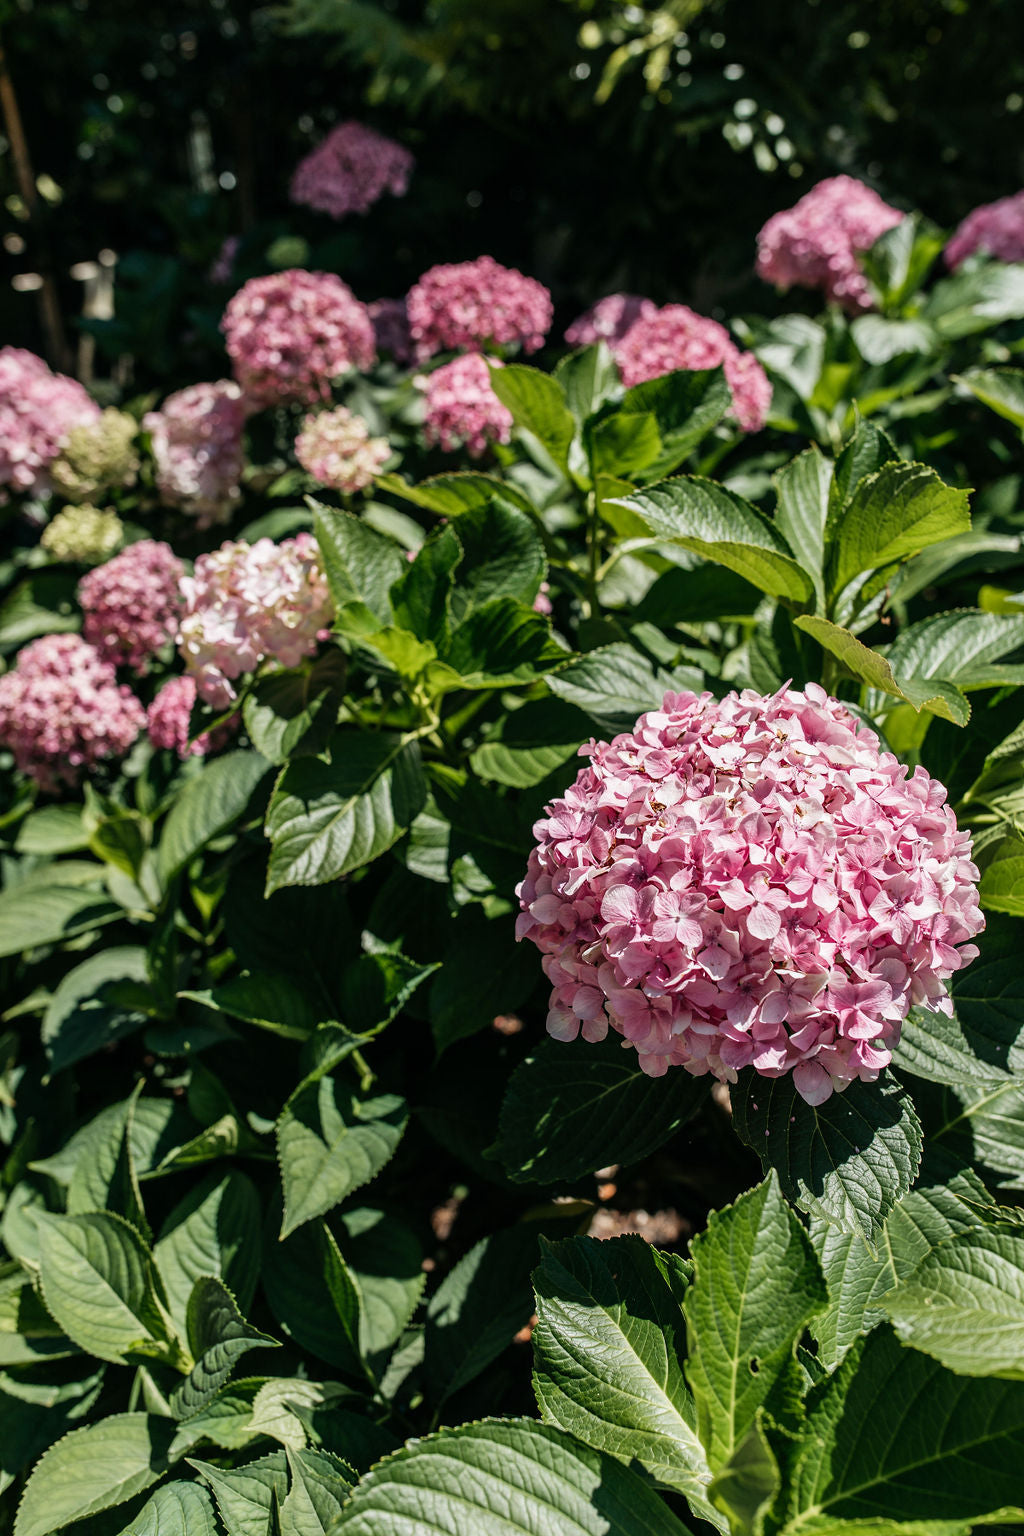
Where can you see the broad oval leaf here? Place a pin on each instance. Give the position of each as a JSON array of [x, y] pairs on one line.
[[98, 1002], [360, 564], [209, 804], [94, 1468], [964, 1304], [891, 514], [175, 1509], [329, 1142], [50, 914], [507, 1475]]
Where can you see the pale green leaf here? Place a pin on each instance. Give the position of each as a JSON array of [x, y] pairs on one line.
[[94, 1468], [175, 1509], [329, 1142], [41, 914], [209, 804]]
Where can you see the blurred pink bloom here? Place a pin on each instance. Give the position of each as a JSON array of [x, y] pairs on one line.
[[197, 445], [62, 710], [676, 337], [995, 228], [815, 243], [609, 319], [462, 409], [336, 448], [291, 333], [350, 170], [169, 716], [467, 305], [750, 881], [38, 408], [132, 604]]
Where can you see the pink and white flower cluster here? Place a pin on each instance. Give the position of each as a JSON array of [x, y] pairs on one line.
[[169, 717], [197, 445], [290, 333], [676, 337], [248, 603], [609, 320], [63, 710], [995, 228], [815, 243], [132, 603], [750, 882], [350, 170], [464, 306], [38, 408], [336, 448], [462, 409]]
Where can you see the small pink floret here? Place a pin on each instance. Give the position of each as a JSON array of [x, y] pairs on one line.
[[753, 882]]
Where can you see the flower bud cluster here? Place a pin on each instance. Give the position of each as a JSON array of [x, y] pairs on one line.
[[97, 456], [83, 535], [609, 320], [462, 409], [995, 228], [169, 717], [750, 882]]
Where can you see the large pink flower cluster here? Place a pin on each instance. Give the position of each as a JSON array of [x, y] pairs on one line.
[[336, 448], [350, 170], [290, 333], [462, 409], [169, 718], [38, 408], [132, 604], [995, 228], [62, 710], [197, 444], [248, 603], [815, 243], [463, 306], [750, 882], [609, 320], [676, 337]]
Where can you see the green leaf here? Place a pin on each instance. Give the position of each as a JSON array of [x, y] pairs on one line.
[[42, 604], [892, 1434], [361, 565], [245, 1495], [943, 1049], [538, 405], [964, 1304], [327, 818], [989, 997], [503, 1476], [329, 1142], [892, 514], [687, 597], [588, 377], [320, 1485], [478, 1308], [376, 987], [94, 1468], [213, 1230], [685, 405], [175, 1509], [503, 557], [613, 685], [315, 1297], [225, 1421], [1001, 389], [484, 973], [451, 495], [50, 914], [848, 1160], [499, 644], [963, 647], [527, 744], [99, 1283], [749, 1482], [801, 511], [209, 804], [100, 1001], [868, 666], [52, 830], [703, 516], [292, 714], [1002, 883], [879, 340], [756, 1286], [268, 999], [976, 300], [949, 1199], [218, 1337], [608, 1346], [570, 1109], [421, 597]]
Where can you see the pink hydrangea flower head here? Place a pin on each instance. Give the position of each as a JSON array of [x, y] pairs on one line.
[[62, 710], [609, 319], [391, 328], [169, 716], [815, 243], [38, 408], [750, 882], [676, 337], [197, 445], [336, 448], [250, 603], [995, 228], [350, 170], [466, 305], [462, 409], [290, 333], [133, 603]]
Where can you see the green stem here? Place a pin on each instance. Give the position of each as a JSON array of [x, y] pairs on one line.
[[593, 556]]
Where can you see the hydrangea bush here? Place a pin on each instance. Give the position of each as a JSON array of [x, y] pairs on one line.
[[348, 1182]]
